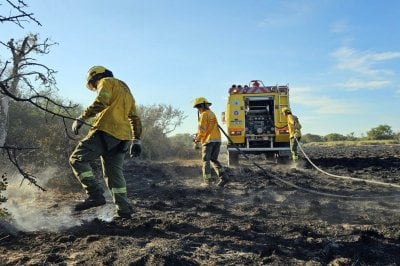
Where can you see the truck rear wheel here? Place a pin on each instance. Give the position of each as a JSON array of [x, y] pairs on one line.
[[233, 158]]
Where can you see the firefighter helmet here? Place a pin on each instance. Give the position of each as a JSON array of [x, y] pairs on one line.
[[94, 74], [286, 110], [200, 100]]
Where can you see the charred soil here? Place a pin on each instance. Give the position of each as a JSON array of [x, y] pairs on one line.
[[256, 219]]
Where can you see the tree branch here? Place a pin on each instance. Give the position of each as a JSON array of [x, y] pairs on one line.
[[21, 15], [12, 156], [32, 101]]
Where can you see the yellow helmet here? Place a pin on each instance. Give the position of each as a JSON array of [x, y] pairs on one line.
[[286, 110], [200, 100], [94, 74]]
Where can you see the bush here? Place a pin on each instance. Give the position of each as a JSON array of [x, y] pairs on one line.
[[32, 128], [158, 121], [307, 138], [334, 137], [397, 137], [381, 132], [182, 146]]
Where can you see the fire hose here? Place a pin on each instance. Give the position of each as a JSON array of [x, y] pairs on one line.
[[345, 177], [290, 184]]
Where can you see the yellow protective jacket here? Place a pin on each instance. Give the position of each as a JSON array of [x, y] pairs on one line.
[[293, 126], [208, 130], [114, 110]]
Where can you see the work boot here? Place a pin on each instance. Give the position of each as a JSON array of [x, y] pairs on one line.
[[124, 214], [222, 180], [90, 202]]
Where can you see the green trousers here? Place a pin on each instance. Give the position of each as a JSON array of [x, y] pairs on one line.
[[112, 153], [293, 148], [210, 152]]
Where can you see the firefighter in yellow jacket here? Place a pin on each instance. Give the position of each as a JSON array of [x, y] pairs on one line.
[[116, 123], [294, 128], [209, 136]]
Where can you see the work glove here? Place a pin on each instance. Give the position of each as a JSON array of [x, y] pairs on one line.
[[296, 135], [194, 137], [136, 148], [196, 145], [76, 125]]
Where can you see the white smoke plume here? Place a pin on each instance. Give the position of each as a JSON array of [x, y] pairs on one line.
[[34, 210]]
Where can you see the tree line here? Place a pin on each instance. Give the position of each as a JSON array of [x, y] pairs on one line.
[[52, 143], [381, 132]]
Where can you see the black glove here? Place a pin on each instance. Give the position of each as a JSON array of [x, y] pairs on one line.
[[196, 145], [77, 125], [136, 148]]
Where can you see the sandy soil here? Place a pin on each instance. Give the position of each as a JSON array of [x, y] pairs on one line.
[[311, 219]]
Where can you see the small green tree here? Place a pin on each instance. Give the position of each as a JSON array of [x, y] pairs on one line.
[[158, 121], [307, 138], [334, 137], [351, 137], [381, 132]]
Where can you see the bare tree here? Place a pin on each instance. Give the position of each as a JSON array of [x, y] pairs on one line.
[[23, 78], [23, 71], [17, 15], [27, 81]]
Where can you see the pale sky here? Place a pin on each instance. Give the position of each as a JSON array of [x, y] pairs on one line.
[[341, 58]]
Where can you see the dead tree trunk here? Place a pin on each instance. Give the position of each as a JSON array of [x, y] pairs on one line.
[[19, 53], [4, 105]]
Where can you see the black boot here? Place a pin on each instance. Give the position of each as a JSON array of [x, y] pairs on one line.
[[90, 202], [222, 180], [125, 214]]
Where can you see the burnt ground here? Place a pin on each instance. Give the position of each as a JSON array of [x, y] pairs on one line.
[[254, 220]]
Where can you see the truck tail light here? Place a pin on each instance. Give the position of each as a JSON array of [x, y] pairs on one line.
[[283, 131], [236, 133]]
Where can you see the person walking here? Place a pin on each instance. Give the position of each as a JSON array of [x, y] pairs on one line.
[[209, 136], [116, 123], [294, 128]]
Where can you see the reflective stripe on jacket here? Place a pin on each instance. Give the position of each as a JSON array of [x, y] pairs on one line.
[[114, 110], [208, 130]]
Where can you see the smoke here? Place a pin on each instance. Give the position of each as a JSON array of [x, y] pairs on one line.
[[34, 210]]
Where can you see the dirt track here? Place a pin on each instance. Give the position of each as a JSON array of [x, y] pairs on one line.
[[255, 220]]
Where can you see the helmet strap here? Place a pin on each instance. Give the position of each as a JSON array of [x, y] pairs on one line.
[[99, 76]]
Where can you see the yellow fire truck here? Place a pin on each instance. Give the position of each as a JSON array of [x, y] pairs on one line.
[[255, 123]]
